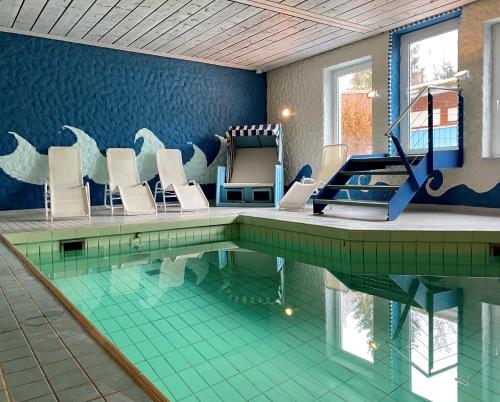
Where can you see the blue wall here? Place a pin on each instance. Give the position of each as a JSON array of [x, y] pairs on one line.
[[111, 95]]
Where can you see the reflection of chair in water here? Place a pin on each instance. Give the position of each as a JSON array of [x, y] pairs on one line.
[[172, 271], [129, 273], [228, 264]]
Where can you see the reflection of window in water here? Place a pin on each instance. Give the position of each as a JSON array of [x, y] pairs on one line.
[[430, 356], [357, 323], [489, 337]]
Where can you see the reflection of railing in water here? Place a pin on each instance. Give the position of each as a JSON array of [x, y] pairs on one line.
[[244, 299]]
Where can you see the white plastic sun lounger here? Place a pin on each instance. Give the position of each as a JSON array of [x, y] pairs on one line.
[[65, 194], [124, 184], [173, 182], [334, 157]]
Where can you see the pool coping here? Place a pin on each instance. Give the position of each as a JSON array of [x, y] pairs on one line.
[[448, 235], [142, 381]]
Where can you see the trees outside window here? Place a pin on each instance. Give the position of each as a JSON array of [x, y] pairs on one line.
[[355, 109]]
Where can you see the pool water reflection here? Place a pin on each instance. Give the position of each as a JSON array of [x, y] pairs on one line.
[[233, 324]]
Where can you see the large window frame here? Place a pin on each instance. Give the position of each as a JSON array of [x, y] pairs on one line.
[[404, 67], [349, 68]]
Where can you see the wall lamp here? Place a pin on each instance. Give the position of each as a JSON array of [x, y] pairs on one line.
[[286, 113]]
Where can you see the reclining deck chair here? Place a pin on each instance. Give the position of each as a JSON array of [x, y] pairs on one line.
[[173, 182], [253, 175], [334, 157], [65, 194], [124, 184]]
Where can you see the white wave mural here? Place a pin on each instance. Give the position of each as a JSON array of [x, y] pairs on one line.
[[475, 179], [26, 164]]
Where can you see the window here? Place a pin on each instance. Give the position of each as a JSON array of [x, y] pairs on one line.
[[352, 121], [429, 56], [495, 109]]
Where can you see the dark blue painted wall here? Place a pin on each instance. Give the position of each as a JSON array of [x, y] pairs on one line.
[[111, 94]]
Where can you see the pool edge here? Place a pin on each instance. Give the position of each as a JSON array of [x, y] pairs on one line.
[[142, 381]]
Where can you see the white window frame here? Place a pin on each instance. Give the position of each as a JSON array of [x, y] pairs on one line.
[[495, 92], [351, 67], [404, 67]]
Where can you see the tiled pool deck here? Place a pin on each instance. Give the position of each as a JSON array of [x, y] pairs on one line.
[[342, 217], [46, 355]]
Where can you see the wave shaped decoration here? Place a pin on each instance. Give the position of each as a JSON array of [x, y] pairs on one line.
[[26, 164]]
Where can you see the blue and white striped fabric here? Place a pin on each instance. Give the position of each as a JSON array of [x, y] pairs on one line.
[[247, 130]]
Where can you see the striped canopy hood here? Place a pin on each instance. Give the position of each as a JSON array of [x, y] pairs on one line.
[[251, 130]]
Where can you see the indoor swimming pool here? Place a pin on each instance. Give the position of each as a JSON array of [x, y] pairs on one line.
[[229, 320]]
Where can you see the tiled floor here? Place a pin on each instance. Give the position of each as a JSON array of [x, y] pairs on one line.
[[342, 217], [46, 355]]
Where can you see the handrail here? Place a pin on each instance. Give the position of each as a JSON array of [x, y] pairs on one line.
[[413, 102]]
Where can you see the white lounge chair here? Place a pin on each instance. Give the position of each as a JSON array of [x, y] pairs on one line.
[[334, 157], [65, 194], [173, 183], [124, 184]]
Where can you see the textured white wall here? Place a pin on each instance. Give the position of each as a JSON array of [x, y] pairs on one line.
[[300, 87]]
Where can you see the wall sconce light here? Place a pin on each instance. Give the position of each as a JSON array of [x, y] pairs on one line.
[[463, 75], [289, 311], [372, 93], [286, 113]]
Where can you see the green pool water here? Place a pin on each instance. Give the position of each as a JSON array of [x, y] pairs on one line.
[[225, 323]]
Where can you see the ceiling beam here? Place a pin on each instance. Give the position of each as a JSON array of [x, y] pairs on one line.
[[126, 49], [306, 15]]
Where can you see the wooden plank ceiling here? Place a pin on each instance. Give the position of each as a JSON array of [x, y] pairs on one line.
[[250, 34]]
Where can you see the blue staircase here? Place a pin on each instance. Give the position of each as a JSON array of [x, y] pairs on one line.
[[415, 169]]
